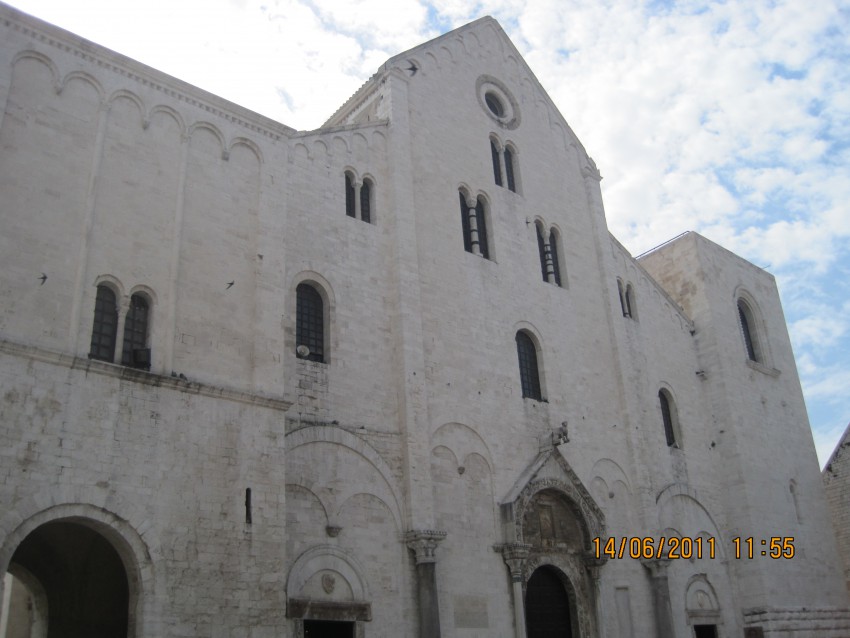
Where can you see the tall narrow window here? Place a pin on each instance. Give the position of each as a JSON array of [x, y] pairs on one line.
[[630, 302], [366, 201], [528, 371], [105, 327], [135, 352], [309, 324], [555, 252], [541, 249], [745, 316], [622, 294], [349, 196], [481, 222], [509, 169], [497, 168], [464, 220], [669, 418]]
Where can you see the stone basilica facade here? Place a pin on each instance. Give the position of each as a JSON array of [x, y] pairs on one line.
[[392, 377]]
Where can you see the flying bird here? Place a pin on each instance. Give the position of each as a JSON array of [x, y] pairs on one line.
[[43, 278], [412, 68], [230, 284]]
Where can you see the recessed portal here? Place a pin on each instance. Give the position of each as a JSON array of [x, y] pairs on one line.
[[547, 606], [328, 629], [705, 631], [82, 578]]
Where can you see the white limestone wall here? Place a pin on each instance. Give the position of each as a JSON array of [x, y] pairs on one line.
[[162, 469], [759, 422]]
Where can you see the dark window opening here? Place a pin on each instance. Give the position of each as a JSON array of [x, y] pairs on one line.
[[366, 201], [555, 251], [494, 104], [309, 324], [134, 351], [629, 299], [528, 372], [744, 315], [464, 220], [667, 417], [481, 222], [497, 168], [105, 326], [541, 248], [349, 196], [509, 169], [622, 298]]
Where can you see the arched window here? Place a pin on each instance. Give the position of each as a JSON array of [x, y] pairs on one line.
[[474, 227], [670, 418], [366, 201], [555, 252], [509, 169], [309, 324], [529, 373], [622, 295], [630, 310], [135, 352], [350, 205], [541, 249], [748, 325], [497, 167], [481, 222], [105, 327]]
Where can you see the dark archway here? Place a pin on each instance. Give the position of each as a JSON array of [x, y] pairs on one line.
[[82, 576], [547, 605]]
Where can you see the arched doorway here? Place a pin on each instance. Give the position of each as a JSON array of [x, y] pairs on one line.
[[547, 605], [82, 577]]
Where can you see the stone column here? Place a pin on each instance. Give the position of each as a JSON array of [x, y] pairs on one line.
[[515, 555], [661, 596], [548, 256], [123, 308], [424, 546]]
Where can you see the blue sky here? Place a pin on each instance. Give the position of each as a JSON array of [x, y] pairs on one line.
[[728, 118]]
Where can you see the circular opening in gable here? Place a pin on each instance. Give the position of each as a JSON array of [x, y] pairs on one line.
[[494, 104]]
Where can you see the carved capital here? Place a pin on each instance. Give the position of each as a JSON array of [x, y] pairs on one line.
[[593, 564], [657, 567], [589, 170], [515, 556], [424, 544]]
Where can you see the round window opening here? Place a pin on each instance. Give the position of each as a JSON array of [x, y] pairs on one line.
[[494, 104]]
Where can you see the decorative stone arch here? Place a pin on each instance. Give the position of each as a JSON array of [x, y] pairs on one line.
[[702, 606], [331, 434], [82, 76], [167, 110], [250, 145], [134, 99], [132, 550], [582, 618], [327, 583], [213, 130], [46, 61]]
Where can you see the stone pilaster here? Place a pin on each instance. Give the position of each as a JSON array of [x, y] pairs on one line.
[[423, 543], [661, 596], [515, 556]]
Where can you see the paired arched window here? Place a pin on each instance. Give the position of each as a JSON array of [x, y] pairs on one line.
[[529, 372], [474, 226], [108, 319], [309, 323], [549, 250], [504, 162], [748, 330], [359, 197], [670, 419]]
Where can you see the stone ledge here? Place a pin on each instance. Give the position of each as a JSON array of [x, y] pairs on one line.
[[139, 376]]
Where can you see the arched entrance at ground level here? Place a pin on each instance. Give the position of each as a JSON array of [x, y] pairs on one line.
[[547, 605], [81, 576]]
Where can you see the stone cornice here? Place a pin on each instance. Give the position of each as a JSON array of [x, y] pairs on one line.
[[142, 377], [52, 36]]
